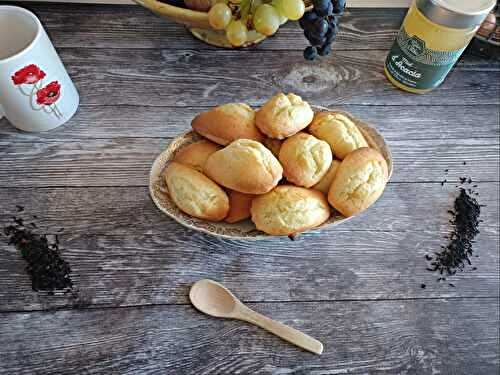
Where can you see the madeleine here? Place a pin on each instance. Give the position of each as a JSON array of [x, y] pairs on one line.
[[288, 209], [195, 194], [360, 180], [245, 166]]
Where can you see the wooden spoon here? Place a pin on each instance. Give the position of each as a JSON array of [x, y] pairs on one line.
[[216, 300]]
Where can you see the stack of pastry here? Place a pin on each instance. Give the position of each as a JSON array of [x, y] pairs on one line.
[[282, 166]]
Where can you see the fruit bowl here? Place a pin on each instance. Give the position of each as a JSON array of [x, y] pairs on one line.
[[243, 229], [197, 23]]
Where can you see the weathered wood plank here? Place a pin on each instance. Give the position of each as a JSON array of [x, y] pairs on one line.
[[114, 27], [390, 337], [114, 210], [419, 122], [135, 27], [127, 161], [138, 269], [192, 77]]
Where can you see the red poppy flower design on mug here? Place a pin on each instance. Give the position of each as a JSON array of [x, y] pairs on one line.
[[30, 74], [41, 98], [49, 94]]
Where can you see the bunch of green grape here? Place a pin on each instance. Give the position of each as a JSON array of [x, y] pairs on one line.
[[237, 17]]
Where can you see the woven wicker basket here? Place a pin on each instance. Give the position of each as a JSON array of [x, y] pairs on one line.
[[197, 23]]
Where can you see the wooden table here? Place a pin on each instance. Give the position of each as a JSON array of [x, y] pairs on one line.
[[356, 287]]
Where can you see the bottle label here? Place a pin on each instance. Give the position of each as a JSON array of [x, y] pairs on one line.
[[414, 65]]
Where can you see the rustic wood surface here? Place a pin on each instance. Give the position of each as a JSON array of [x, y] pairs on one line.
[[356, 287], [432, 336]]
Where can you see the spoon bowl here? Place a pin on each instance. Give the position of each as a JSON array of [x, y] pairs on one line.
[[213, 299]]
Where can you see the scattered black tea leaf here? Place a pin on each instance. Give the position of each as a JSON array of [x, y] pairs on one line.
[[19, 208], [423, 286], [45, 266], [465, 221]]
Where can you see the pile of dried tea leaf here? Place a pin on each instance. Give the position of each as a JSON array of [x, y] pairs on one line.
[[47, 270], [465, 222], [465, 227]]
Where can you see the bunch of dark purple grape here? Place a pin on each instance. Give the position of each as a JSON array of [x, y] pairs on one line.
[[320, 26]]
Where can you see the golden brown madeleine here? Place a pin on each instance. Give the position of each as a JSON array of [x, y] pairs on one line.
[[273, 144], [245, 166], [360, 180], [239, 206], [324, 184], [339, 131], [305, 159], [196, 154], [226, 123], [196, 194], [289, 209], [283, 116]]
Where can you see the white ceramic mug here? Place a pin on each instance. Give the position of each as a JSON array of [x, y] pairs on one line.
[[36, 93]]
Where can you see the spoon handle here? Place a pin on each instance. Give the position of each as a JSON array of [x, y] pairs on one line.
[[287, 333]]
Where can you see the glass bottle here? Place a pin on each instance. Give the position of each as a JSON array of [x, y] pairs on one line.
[[433, 36]]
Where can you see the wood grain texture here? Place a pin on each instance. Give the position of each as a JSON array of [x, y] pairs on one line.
[[127, 161], [114, 210], [357, 287], [129, 121], [135, 269], [189, 77], [135, 27], [386, 337]]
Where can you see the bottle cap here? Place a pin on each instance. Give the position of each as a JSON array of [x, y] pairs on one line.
[[457, 14]]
